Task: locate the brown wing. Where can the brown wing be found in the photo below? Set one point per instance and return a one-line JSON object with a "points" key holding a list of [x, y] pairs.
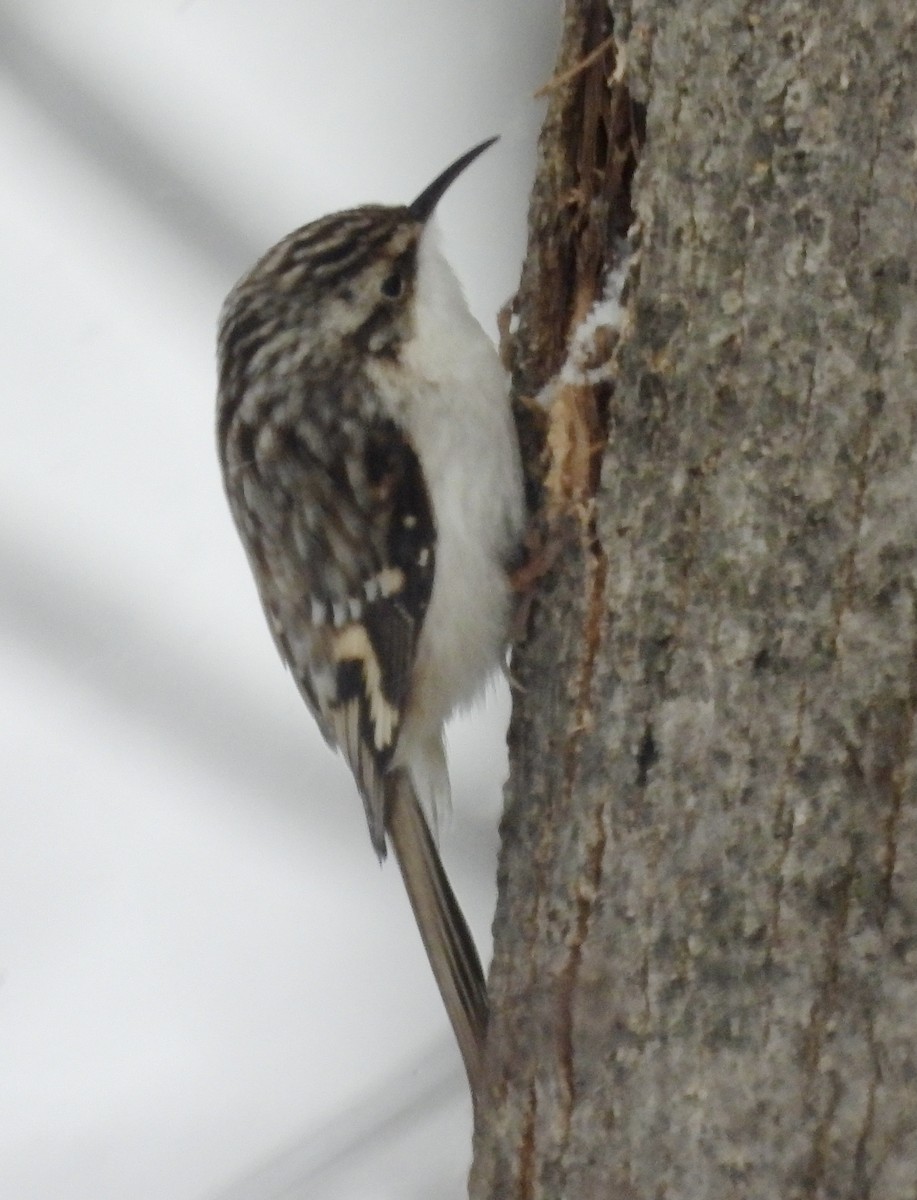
{"points": [[340, 534], [374, 655]]}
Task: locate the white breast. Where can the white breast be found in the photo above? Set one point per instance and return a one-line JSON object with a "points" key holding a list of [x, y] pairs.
{"points": [[458, 417]]}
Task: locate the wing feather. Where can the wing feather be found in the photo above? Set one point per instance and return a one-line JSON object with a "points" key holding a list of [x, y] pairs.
{"points": [[340, 533]]}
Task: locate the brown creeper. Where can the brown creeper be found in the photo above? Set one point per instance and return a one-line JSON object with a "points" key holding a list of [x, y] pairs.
{"points": [[373, 473]]}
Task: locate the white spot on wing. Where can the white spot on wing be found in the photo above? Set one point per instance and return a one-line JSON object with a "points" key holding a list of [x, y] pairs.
{"points": [[391, 581], [353, 643]]}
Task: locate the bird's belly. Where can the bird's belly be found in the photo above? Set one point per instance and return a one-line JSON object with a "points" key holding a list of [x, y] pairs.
{"points": [[463, 636]]}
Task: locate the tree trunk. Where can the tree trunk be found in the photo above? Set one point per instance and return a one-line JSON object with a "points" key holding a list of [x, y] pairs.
{"points": [[705, 973]]}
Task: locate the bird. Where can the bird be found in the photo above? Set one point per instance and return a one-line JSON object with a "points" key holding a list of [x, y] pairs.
{"points": [[372, 468]]}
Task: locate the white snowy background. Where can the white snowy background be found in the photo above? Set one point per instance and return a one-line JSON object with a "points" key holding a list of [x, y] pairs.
{"points": [[209, 990]]}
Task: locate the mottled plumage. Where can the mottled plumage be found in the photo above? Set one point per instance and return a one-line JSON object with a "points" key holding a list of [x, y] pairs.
{"points": [[372, 471]]}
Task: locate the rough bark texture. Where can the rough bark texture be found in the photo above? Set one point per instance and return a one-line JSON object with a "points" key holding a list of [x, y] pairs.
{"points": [[705, 975]]}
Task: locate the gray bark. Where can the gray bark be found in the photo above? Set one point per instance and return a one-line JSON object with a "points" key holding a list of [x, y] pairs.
{"points": [[705, 972]]}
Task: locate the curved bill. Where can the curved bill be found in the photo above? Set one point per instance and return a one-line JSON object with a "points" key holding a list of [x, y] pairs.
{"points": [[428, 199]]}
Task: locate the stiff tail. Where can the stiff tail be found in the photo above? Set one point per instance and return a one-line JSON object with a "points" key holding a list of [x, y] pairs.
{"points": [[446, 937]]}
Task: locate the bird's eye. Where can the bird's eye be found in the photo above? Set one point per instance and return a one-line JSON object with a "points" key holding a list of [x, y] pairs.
{"points": [[392, 285]]}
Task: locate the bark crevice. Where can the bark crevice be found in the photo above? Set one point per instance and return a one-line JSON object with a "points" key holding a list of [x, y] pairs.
{"points": [[705, 969]]}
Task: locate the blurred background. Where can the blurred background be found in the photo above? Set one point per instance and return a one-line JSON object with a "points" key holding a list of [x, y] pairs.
{"points": [[209, 989]]}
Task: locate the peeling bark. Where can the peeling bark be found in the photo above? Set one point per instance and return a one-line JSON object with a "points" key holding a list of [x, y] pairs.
{"points": [[705, 973]]}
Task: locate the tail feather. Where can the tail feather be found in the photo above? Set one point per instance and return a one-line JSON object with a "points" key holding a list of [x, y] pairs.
{"points": [[446, 937]]}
